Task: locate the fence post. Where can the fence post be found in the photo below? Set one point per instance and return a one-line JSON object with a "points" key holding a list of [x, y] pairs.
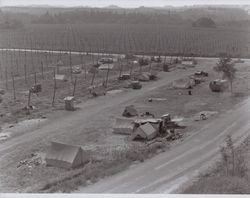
{"points": [[75, 86], [6, 78], [54, 92], [14, 88]]}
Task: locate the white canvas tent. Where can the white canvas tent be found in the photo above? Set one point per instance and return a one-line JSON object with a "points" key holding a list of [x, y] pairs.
{"points": [[144, 132], [60, 77], [183, 83], [65, 156], [123, 126], [106, 66], [60, 63]]}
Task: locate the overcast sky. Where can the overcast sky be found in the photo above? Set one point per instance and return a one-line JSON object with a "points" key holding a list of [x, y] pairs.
{"points": [[121, 3]]}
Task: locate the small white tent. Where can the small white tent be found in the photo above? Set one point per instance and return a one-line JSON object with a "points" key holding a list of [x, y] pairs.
{"points": [[183, 83], [123, 126], [65, 156], [144, 132]]}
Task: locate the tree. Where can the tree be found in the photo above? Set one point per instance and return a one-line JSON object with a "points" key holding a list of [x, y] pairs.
{"points": [[226, 67]]}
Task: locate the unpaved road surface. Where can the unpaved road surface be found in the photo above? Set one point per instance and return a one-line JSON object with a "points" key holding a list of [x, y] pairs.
{"points": [[167, 171], [70, 123]]}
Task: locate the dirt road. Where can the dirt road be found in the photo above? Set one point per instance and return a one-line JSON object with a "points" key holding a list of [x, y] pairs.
{"points": [[167, 171]]}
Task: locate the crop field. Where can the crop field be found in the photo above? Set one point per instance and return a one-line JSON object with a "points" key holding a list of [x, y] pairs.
{"points": [[121, 38]]}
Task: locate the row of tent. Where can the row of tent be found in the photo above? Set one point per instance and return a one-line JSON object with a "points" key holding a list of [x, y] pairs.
{"points": [[141, 129], [70, 156]]}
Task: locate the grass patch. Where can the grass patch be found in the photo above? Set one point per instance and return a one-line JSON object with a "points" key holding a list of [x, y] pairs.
{"points": [[95, 170]]}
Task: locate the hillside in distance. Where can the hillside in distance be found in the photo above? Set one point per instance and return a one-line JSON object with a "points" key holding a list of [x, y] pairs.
{"points": [[115, 14]]}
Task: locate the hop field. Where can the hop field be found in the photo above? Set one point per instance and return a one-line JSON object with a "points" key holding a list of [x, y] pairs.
{"points": [[123, 38]]}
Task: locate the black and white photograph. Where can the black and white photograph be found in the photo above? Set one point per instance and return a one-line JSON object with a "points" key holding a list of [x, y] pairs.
{"points": [[124, 97]]}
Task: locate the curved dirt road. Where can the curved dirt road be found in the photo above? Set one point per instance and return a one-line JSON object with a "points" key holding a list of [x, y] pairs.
{"points": [[167, 171]]}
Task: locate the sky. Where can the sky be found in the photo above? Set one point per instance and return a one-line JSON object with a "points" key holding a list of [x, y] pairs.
{"points": [[121, 3]]}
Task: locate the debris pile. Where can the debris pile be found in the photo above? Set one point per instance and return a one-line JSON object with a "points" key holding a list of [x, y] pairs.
{"points": [[204, 115], [146, 127], [96, 91], [36, 88], [130, 111], [76, 69], [34, 160]]}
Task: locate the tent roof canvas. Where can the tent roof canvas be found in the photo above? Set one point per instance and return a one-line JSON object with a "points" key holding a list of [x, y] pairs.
{"points": [[106, 66], [183, 83], [60, 77], [123, 126], [64, 155], [147, 120], [146, 131], [60, 63]]}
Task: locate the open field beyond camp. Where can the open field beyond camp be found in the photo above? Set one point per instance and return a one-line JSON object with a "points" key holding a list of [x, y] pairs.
{"points": [[25, 140], [137, 39]]}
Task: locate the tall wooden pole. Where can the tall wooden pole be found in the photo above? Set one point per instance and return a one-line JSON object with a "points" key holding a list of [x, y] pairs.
{"points": [[54, 91], [14, 88]]}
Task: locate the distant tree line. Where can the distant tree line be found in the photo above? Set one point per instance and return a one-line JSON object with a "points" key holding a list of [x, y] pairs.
{"points": [[99, 16], [10, 23], [196, 17]]}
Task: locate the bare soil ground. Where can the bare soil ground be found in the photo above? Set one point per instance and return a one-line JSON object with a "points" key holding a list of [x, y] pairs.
{"points": [[91, 127]]}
